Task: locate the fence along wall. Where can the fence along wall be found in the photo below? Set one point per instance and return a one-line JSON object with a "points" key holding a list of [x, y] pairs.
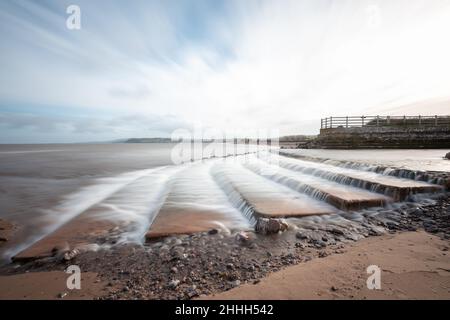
{"points": [[384, 132], [384, 121]]}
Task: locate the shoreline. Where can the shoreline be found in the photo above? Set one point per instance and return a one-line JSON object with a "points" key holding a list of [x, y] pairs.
{"points": [[202, 264], [413, 265]]}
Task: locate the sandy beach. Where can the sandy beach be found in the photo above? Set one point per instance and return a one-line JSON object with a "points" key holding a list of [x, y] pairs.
{"points": [[415, 265]]}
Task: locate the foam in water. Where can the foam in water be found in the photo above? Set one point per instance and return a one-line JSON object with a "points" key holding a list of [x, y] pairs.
{"points": [[78, 202]]}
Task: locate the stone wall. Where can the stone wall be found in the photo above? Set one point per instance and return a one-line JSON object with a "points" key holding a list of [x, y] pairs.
{"points": [[383, 137]]}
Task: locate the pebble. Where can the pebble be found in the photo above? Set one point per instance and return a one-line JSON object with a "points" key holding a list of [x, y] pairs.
{"points": [[301, 236], [174, 284], [236, 283], [62, 295]]}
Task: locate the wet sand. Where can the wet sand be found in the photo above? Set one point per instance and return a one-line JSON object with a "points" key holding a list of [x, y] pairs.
{"points": [[415, 265], [6, 230], [49, 285]]}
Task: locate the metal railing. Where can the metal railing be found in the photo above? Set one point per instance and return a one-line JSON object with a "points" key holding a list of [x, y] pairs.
{"points": [[384, 121]]}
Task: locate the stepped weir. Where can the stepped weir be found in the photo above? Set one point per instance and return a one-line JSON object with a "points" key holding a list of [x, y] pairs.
{"points": [[231, 194]]}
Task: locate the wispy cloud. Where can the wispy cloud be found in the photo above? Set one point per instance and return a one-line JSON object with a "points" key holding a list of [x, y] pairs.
{"points": [[245, 64]]}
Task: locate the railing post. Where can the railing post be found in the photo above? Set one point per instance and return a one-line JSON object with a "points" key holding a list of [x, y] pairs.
{"points": [[331, 122], [435, 120], [362, 120], [346, 121], [378, 121], [420, 120], [404, 120], [388, 120]]}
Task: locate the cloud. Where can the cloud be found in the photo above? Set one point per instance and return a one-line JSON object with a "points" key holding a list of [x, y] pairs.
{"points": [[241, 64], [79, 129]]}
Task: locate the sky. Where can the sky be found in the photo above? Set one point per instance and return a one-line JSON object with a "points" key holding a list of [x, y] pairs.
{"points": [[146, 68]]}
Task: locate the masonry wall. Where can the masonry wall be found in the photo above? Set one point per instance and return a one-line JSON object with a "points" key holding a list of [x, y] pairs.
{"points": [[383, 137]]}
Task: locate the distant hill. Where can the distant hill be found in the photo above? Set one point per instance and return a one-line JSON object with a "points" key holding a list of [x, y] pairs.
{"points": [[148, 140]]}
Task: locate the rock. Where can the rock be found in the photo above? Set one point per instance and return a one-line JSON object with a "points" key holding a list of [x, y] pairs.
{"points": [[301, 236], [177, 242], [236, 283], [253, 246], [230, 266], [192, 292], [319, 244], [62, 295], [174, 270], [333, 288], [69, 255], [242, 237], [174, 284], [447, 156], [269, 226], [164, 247], [338, 232], [213, 231]]}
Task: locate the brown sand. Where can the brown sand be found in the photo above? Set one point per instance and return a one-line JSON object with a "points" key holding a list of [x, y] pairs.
{"points": [[49, 285], [415, 265]]}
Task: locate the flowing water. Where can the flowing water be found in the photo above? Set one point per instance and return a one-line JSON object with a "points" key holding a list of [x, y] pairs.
{"points": [[133, 188]]}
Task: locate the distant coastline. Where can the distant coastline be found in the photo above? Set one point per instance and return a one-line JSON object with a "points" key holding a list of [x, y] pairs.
{"points": [[148, 140]]}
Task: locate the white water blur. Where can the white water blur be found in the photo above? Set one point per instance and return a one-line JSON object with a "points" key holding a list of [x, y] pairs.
{"points": [[76, 203], [195, 189], [357, 178], [311, 185], [406, 159]]}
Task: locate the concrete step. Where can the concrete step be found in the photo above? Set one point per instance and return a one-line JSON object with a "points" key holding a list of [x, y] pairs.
{"points": [[194, 203], [265, 198], [341, 196], [118, 216], [397, 188]]}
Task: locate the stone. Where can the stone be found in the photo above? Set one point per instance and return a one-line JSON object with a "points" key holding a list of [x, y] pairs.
{"points": [[69, 255], [230, 266], [174, 284], [269, 226], [242, 237], [337, 231], [236, 283], [447, 156], [301, 236], [177, 242], [213, 231]]}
